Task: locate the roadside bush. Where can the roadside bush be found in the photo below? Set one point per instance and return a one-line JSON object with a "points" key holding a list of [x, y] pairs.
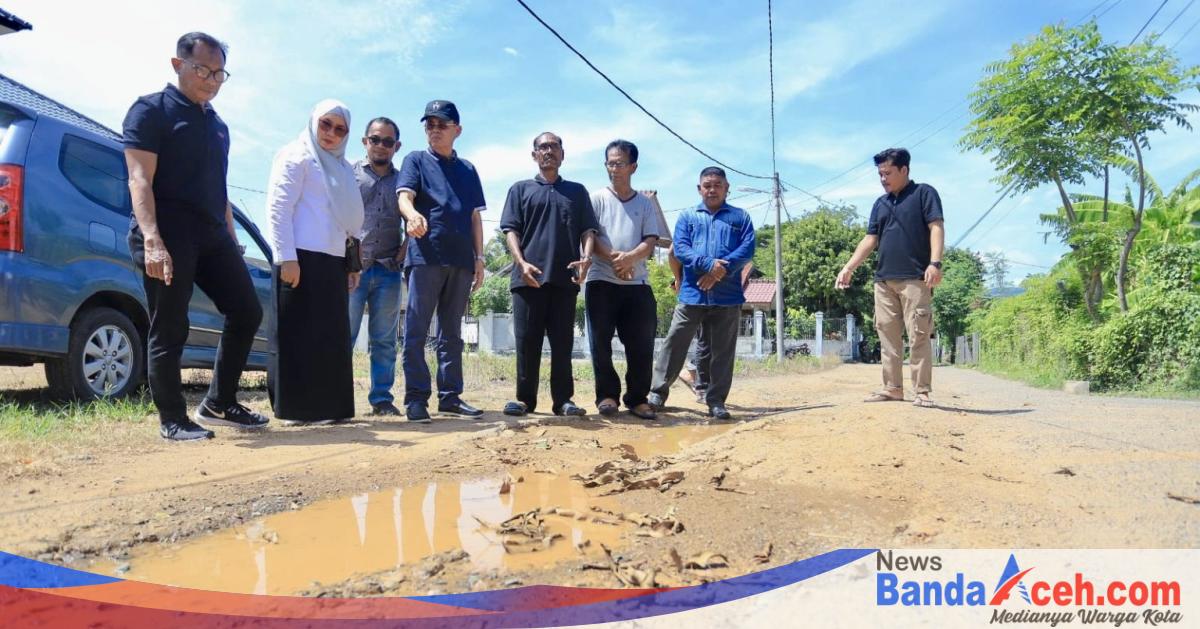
{"points": [[1154, 345], [1044, 336], [1039, 336]]}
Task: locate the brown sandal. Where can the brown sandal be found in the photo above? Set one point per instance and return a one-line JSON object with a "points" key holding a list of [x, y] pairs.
{"points": [[880, 396]]}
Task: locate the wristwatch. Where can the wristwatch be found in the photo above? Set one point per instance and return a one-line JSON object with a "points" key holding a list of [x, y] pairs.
{"points": [[937, 264], [481, 258]]}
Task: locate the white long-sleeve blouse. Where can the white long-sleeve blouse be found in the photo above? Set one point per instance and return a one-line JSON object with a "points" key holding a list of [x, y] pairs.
{"points": [[298, 215]]}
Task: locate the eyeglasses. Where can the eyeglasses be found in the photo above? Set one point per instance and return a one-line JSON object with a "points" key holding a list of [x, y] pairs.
{"points": [[547, 146], [386, 142], [616, 165], [338, 130], [220, 76], [430, 126]]}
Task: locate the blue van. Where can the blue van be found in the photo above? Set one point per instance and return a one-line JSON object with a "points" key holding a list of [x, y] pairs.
{"points": [[70, 297]]}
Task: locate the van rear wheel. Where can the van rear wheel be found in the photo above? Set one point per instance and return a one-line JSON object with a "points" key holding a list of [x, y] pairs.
{"points": [[105, 358]]}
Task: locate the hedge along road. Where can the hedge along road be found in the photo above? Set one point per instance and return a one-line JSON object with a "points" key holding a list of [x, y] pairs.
{"points": [[809, 468]]}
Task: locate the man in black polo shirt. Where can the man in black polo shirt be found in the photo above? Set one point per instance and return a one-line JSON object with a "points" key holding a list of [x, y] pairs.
{"points": [[906, 224], [546, 220], [182, 235]]}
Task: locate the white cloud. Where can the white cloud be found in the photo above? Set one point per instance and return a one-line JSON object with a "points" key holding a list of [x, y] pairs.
{"points": [[511, 51]]}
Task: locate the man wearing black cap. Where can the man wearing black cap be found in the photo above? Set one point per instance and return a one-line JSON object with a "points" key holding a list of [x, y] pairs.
{"points": [[440, 197]]}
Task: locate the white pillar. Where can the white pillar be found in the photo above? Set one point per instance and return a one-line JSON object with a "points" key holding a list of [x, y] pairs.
{"points": [[758, 333], [850, 334], [820, 340]]}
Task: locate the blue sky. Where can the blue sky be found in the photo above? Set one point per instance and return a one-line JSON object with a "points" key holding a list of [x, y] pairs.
{"points": [[850, 78]]}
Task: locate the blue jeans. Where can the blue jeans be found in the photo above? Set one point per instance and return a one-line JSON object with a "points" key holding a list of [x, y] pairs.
{"points": [[378, 292], [444, 289]]}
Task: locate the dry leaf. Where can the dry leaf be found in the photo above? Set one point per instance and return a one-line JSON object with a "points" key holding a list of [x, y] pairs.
{"points": [[706, 560], [764, 555], [627, 452], [676, 559]]}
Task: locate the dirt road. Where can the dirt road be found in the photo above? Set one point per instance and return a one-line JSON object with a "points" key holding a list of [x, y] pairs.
{"points": [[386, 507]]}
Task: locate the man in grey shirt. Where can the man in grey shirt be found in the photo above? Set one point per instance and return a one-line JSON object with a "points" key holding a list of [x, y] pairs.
{"points": [[379, 288], [617, 294]]}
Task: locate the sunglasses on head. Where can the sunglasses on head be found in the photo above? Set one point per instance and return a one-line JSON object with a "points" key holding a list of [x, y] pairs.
{"points": [[338, 130], [386, 142]]}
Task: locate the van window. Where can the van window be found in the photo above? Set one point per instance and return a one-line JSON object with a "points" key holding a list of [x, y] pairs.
{"points": [[97, 172], [6, 118]]}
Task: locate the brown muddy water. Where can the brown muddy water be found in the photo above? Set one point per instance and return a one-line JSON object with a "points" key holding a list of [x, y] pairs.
{"points": [[334, 539]]}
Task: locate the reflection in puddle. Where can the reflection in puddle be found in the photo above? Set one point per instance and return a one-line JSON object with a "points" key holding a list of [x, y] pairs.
{"points": [[331, 540], [668, 440]]}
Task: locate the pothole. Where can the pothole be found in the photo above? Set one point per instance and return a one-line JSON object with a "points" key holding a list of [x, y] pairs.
{"points": [[335, 539]]}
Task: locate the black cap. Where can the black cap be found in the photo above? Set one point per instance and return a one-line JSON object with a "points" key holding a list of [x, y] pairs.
{"points": [[443, 109]]}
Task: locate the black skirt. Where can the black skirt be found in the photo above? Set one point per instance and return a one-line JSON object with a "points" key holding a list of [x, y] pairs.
{"points": [[311, 360]]}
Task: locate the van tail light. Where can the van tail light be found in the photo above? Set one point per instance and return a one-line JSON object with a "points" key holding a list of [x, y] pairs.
{"points": [[12, 187]]}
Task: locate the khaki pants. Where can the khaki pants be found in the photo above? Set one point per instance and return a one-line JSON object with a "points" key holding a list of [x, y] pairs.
{"points": [[901, 304]]}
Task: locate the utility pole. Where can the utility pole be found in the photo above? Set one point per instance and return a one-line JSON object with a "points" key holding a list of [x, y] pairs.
{"points": [[778, 270]]}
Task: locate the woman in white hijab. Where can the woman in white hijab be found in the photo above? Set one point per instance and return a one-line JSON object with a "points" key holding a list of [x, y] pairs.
{"points": [[313, 205]]}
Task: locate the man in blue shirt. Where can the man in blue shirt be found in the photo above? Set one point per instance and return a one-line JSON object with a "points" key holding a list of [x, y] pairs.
{"points": [[440, 197], [906, 224], [713, 242]]}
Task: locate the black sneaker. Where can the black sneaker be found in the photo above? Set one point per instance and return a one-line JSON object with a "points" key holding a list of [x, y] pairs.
{"points": [[719, 411], [459, 407], [417, 413], [234, 416], [385, 409], [183, 430], [656, 402]]}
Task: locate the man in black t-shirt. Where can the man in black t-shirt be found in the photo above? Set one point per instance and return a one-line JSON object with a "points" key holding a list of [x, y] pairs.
{"points": [[182, 235], [550, 228], [906, 224]]}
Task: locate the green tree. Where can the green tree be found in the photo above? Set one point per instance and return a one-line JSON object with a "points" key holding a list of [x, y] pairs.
{"points": [[664, 295], [1031, 114], [1097, 235], [493, 296], [997, 268], [815, 247], [495, 253], [1065, 103], [960, 293]]}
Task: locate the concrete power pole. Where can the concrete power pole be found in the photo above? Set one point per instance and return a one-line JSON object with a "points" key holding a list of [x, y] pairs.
{"points": [[778, 270]]}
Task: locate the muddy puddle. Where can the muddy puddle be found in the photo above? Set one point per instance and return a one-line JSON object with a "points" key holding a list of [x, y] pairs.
{"points": [[331, 540]]}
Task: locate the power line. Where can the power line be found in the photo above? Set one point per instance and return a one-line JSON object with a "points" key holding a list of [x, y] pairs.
{"points": [[998, 222], [1185, 34], [1003, 193], [1152, 16], [900, 142], [632, 99], [1176, 18], [1102, 13], [1036, 266], [246, 189]]}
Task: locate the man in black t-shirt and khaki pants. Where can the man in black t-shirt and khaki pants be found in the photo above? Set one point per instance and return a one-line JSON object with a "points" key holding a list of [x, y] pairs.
{"points": [[906, 224]]}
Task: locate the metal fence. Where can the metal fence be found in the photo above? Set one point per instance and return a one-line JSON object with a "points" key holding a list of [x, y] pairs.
{"points": [[966, 349]]}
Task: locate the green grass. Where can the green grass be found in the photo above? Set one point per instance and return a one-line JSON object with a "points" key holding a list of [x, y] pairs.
{"points": [[63, 421], [1048, 377]]}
